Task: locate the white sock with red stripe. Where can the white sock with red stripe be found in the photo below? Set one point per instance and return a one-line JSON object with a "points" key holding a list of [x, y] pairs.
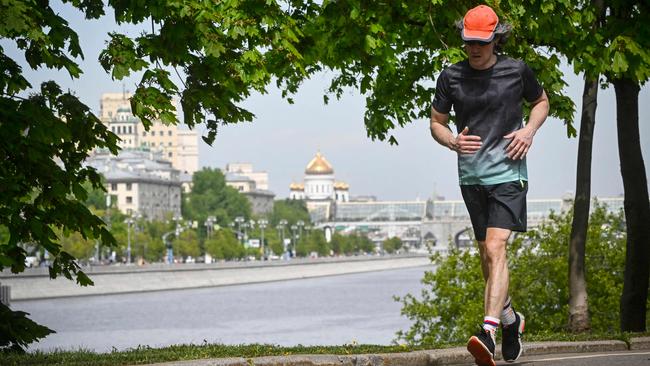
{"points": [[490, 324], [508, 313]]}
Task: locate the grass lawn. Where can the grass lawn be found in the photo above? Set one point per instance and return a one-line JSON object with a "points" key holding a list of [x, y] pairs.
{"points": [[147, 355]]}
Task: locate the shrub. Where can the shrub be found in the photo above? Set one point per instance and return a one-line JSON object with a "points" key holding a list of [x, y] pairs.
{"points": [[450, 307]]}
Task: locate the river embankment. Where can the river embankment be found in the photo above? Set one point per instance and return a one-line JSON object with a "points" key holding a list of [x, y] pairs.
{"points": [[35, 283]]}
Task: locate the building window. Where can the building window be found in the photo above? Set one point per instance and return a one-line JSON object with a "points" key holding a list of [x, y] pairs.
{"points": [[130, 129], [144, 133], [161, 132], [129, 199], [113, 129], [113, 186], [128, 186], [170, 155], [169, 133]]}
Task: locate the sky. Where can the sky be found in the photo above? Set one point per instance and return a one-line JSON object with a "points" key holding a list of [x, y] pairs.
{"points": [[283, 138]]}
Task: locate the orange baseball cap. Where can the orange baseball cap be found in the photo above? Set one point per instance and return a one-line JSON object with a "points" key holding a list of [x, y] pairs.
{"points": [[479, 24]]}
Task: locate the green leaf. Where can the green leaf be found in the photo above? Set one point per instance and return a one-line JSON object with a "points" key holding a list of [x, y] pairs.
{"points": [[371, 43], [619, 63], [354, 13], [84, 280]]}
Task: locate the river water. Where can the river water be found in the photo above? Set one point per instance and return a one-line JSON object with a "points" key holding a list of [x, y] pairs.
{"points": [[318, 311]]}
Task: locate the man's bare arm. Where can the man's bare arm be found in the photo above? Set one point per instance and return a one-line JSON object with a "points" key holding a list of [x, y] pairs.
{"points": [[463, 143], [522, 139]]}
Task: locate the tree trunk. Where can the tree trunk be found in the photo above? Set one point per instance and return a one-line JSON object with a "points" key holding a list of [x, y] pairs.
{"points": [[637, 207], [578, 304]]}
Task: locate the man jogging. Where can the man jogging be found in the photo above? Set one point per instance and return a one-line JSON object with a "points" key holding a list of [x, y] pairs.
{"points": [[486, 92]]}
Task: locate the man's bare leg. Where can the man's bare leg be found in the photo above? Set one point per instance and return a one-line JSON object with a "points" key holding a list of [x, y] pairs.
{"points": [[494, 263], [484, 266], [495, 272]]}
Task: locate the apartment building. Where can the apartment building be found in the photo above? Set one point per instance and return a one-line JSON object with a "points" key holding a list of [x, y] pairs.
{"points": [[141, 182], [178, 146]]}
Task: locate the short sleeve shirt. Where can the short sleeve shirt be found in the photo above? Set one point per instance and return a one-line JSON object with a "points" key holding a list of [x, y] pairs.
{"points": [[489, 103]]}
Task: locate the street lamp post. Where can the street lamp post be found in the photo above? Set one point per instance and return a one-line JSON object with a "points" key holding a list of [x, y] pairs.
{"points": [[248, 225], [300, 224], [281, 226], [239, 220], [245, 235], [128, 222], [177, 231], [136, 216], [294, 228], [262, 225], [100, 252], [209, 225]]}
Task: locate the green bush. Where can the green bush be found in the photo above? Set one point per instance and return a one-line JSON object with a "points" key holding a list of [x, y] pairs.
{"points": [[392, 245], [224, 245], [450, 306]]}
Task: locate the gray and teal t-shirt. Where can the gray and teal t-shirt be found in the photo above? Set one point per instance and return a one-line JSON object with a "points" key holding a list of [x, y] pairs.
{"points": [[489, 103]]}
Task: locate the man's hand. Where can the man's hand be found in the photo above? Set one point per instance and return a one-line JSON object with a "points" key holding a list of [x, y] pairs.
{"points": [[522, 139], [466, 144]]}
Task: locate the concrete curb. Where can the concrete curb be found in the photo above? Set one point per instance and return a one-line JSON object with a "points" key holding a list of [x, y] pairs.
{"points": [[640, 343], [449, 356]]}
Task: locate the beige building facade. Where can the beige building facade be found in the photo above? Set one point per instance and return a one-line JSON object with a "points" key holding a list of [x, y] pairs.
{"points": [[244, 179], [180, 147], [246, 170]]}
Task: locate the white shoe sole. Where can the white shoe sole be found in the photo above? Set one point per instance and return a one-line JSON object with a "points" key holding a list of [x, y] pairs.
{"points": [[482, 355]]}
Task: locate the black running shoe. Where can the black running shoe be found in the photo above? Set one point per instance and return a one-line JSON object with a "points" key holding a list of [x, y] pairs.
{"points": [[481, 346], [511, 346]]}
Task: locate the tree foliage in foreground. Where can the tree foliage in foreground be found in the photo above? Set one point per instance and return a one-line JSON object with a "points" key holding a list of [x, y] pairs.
{"points": [[46, 135], [450, 306]]}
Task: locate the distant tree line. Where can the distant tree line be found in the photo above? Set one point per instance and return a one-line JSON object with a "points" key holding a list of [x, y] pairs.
{"points": [[221, 239]]}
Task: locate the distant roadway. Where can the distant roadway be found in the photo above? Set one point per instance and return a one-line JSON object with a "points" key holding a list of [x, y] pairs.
{"points": [[36, 284]]}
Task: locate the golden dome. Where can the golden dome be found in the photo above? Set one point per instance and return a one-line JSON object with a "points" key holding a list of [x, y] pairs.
{"points": [[342, 186], [318, 165], [296, 186]]}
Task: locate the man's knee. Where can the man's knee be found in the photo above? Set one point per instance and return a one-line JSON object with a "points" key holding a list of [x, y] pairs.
{"points": [[495, 244]]}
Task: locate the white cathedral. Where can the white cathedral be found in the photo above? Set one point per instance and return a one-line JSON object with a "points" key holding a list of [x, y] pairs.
{"points": [[320, 189]]}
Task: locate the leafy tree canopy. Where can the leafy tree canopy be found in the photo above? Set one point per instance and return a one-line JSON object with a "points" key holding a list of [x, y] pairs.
{"points": [[96, 196], [210, 196], [290, 210]]}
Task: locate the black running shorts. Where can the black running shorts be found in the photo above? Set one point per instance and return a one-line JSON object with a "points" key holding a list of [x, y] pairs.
{"points": [[500, 205]]}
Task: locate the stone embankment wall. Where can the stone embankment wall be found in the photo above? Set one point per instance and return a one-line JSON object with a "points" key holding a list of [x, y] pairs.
{"points": [[36, 284]]}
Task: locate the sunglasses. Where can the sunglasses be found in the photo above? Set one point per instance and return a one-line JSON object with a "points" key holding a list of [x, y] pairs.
{"points": [[477, 43]]}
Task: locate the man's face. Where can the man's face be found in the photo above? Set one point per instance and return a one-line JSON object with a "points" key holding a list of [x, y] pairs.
{"points": [[480, 54]]}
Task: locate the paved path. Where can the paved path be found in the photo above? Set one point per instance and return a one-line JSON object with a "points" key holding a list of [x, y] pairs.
{"points": [[600, 353], [625, 358]]}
